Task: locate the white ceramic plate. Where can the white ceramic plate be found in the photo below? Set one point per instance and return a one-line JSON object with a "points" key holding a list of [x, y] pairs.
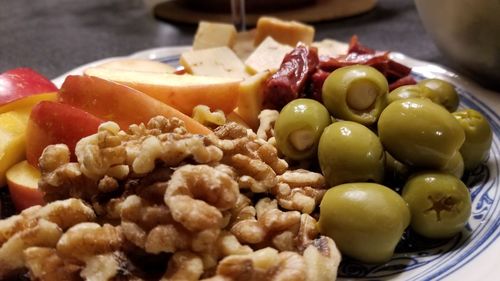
{"points": [[473, 255]]}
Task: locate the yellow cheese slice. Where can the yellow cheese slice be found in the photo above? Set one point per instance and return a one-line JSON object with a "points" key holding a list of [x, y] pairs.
{"points": [[211, 34]]}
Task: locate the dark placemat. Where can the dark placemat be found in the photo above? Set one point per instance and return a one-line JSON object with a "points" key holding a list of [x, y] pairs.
{"points": [[7, 208], [320, 10]]}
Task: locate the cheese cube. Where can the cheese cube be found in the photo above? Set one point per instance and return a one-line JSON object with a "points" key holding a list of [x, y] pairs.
{"points": [[331, 48], [251, 97], [285, 32], [243, 46], [268, 56], [219, 62], [211, 34]]}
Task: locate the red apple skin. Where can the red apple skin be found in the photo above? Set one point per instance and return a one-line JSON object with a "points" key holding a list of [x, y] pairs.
{"points": [[21, 82], [53, 123], [119, 103], [22, 180]]}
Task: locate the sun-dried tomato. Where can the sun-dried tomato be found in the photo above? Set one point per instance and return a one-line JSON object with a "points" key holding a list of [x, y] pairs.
{"points": [[359, 54], [302, 73], [291, 78], [407, 80], [377, 60], [317, 81], [356, 47]]}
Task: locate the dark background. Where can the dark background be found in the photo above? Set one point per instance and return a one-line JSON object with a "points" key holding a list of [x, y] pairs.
{"points": [[54, 36]]}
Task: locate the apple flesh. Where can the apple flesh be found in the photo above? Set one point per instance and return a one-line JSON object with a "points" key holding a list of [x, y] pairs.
{"points": [[22, 180], [53, 123], [182, 92], [138, 65], [28, 101], [18, 83], [116, 102], [12, 139]]}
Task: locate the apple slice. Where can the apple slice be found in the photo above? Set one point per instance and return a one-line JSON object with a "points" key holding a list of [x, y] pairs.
{"points": [[52, 123], [183, 92], [138, 65], [22, 180], [28, 101], [116, 102], [12, 139], [19, 83]]}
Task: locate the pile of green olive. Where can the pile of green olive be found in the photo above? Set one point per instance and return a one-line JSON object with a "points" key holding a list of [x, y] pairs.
{"points": [[393, 160]]}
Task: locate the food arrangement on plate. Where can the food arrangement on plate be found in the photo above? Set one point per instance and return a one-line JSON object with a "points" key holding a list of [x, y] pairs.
{"points": [[264, 155]]}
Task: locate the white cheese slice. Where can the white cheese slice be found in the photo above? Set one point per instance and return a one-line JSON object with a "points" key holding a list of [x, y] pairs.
{"points": [[217, 62], [243, 46], [331, 48], [268, 56]]}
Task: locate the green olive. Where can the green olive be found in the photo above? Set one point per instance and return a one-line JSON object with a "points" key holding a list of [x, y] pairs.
{"points": [[441, 92], [299, 127], [438, 91], [350, 152], [439, 203], [478, 137], [420, 133], [366, 220], [408, 92], [355, 93], [454, 166]]}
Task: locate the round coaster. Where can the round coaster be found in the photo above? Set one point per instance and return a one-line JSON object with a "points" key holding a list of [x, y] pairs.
{"points": [[320, 10]]}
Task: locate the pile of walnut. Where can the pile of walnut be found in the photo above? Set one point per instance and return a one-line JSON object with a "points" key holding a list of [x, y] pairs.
{"points": [[156, 202]]}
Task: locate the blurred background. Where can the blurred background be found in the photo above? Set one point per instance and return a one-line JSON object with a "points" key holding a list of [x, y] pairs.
{"points": [[54, 36]]}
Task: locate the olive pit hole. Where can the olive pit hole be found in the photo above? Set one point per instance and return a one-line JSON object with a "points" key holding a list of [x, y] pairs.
{"points": [[442, 203], [361, 95], [301, 139]]}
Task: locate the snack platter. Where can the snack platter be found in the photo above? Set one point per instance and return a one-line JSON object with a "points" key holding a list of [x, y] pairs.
{"points": [[471, 254], [230, 202]]}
